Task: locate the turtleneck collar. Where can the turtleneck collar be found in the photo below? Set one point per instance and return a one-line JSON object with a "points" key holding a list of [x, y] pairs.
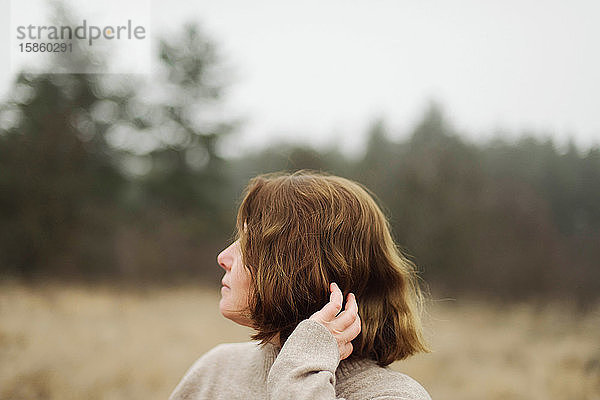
{"points": [[270, 352], [352, 366]]}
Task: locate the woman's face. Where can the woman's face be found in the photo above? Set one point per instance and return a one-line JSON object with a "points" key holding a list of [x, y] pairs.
{"points": [[236, 285]]}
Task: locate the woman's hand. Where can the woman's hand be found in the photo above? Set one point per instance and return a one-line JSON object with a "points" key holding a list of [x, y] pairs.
{"points": [[345, 326]]}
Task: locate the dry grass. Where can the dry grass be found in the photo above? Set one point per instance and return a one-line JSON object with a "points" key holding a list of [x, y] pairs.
{"points": [[73, 342]]}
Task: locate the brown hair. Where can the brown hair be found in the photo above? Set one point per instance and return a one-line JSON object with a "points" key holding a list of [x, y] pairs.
{"points": [[301, 231]]}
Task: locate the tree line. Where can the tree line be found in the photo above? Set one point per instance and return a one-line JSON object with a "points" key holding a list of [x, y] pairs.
{"points": [[101, 181]]}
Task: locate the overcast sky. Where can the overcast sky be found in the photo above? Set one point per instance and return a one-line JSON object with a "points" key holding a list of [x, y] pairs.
{"points": [[322, 70]]}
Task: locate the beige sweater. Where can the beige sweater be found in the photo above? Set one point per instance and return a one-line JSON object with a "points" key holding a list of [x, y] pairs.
{"points": [[306, 367]]}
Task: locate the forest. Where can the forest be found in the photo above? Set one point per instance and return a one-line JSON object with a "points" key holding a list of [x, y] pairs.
{"points": [[124, 178]]}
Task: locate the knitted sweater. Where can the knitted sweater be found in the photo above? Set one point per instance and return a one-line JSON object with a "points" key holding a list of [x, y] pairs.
{"points": [[306, 367]]}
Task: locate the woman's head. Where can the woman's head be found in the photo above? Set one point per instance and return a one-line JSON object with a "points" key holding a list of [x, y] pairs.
{"points": [[300, 232]]}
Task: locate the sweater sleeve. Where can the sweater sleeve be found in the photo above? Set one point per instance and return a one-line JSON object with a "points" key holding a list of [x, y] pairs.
{"points": [[305, 366]]}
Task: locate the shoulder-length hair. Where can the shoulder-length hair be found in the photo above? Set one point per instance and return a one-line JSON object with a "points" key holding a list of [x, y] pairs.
{"points": [[299, 232]]}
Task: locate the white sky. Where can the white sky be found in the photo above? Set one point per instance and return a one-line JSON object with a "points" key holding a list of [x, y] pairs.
{"points": [[321, 71]]}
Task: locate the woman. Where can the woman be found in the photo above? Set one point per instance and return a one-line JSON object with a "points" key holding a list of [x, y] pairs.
{"points": [[305, 242]]}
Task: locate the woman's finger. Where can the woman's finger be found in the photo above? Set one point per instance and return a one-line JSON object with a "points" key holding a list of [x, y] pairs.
{"points": [[346, 350], [331, 309], [336, 295], [347, 317], [352, 331], [345, 320], [351, 304]]}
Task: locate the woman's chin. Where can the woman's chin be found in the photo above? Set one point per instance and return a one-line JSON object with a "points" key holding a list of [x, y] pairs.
{"points": [[224, 309], [227, 312], [234, 316]]}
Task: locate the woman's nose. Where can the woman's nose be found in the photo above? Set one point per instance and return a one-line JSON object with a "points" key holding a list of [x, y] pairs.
{"points": [[224, 259]]}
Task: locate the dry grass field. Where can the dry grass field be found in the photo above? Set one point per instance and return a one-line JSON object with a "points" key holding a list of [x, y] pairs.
{"points": [[76, 342]]}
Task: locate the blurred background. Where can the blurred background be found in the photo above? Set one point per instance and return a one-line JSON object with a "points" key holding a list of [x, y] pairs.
{"points": [[475, 124]]}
